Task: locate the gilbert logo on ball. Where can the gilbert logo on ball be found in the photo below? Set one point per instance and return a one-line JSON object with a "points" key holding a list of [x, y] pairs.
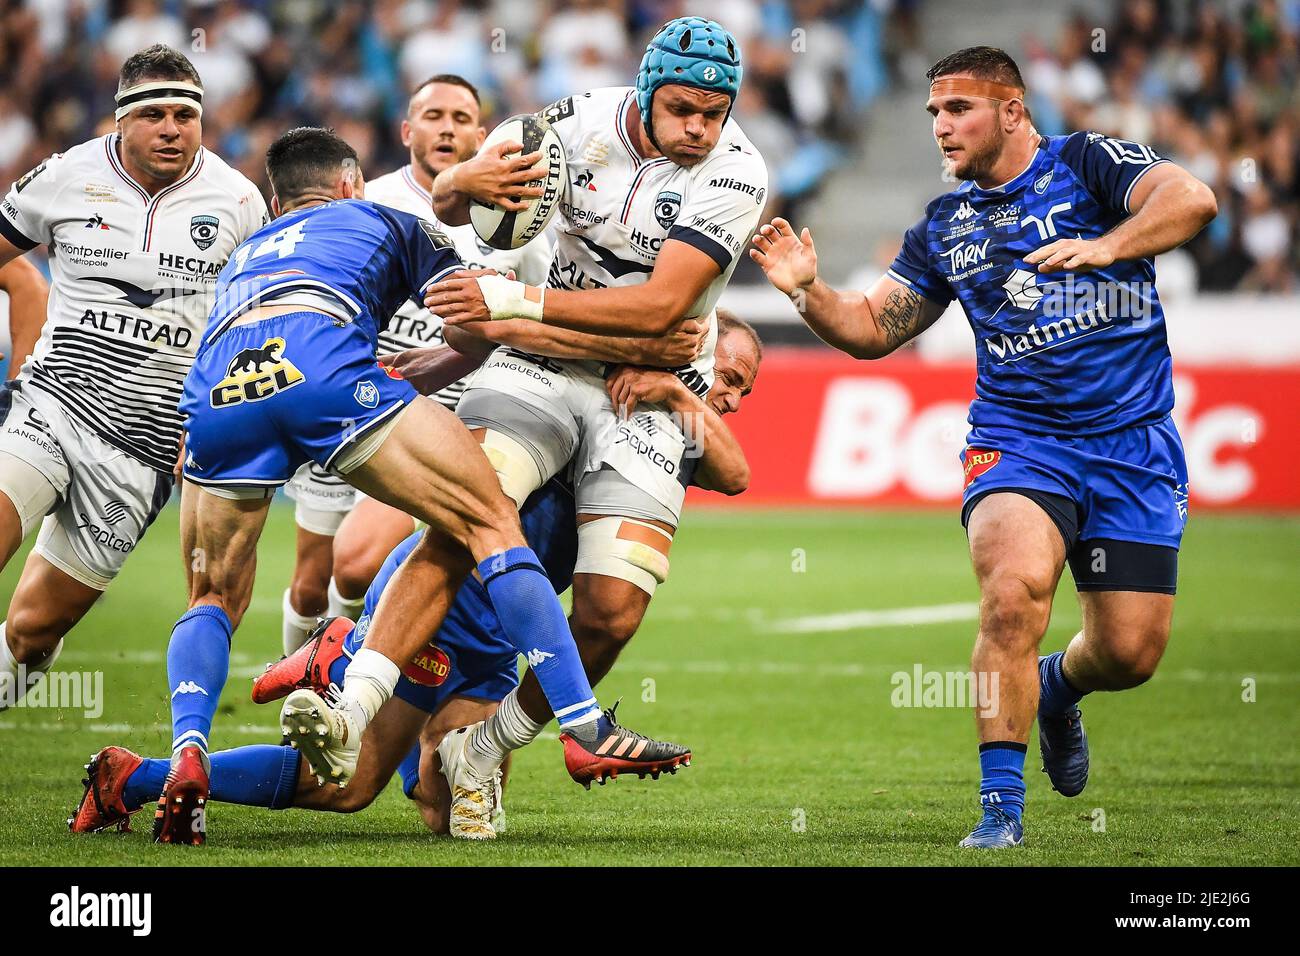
{"points": [[511, 230]]}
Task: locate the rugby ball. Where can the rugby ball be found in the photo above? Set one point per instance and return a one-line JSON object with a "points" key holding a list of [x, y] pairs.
{"points": [[511, 230]]}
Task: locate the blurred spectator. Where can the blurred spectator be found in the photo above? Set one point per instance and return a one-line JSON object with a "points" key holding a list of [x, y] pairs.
{"points": [[1216, 88]]}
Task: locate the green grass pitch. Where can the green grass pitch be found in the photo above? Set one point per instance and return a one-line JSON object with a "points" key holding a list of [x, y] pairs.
{"points": [[800, 756]]}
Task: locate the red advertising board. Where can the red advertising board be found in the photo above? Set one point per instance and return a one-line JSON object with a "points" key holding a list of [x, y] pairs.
{"points": [[821, 428]]}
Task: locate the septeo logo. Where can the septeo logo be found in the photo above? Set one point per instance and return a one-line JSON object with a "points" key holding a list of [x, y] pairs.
{"points": [[77, 909]]}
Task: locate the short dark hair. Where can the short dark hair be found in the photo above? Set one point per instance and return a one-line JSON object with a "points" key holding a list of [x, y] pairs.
{"points": [[158, 62], [983, 62], [306, 158], [451, 79], [730, 322]]}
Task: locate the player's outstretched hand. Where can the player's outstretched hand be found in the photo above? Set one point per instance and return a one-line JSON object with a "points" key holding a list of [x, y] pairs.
{"points": [[458, 299], [789, 261], [492, 178], [629, 385], [1071, 255]]}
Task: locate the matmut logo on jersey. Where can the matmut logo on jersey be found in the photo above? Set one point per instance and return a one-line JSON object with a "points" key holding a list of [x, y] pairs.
{"points": [[1024, 292], [256, 374]]}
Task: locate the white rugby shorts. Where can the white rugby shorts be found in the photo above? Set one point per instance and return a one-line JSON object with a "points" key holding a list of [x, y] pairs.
{"points": [[95, 500], [562, 413]]}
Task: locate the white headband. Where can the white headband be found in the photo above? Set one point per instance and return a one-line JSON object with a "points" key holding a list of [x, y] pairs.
{"points": [[161, 92]]}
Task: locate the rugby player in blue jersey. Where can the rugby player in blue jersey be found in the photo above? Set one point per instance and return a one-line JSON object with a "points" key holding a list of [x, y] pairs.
{"points": [[286, 374], [1072, 456], [458, 678]]}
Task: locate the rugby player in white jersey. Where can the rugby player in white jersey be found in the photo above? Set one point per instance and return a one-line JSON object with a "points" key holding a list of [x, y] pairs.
{"points": [[443, 127], [139, 222], [664, 190]]}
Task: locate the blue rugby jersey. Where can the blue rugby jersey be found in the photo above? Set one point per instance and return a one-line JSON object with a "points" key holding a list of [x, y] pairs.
{"points": [[1057, 353], [366, 257]]}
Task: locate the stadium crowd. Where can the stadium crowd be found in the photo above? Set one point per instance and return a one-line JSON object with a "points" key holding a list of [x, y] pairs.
{"points": [[1213, 86], [268, 66]]}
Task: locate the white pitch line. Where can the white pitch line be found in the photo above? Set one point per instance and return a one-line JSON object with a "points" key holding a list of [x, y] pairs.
{"points": [[892, 617], [100, 728]]}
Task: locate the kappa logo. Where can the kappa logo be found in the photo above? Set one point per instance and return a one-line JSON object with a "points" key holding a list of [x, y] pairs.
{"points": [[256, 374], [964, 212], [976, 462], [188, 687], [667, 205], [536, 656], [367, 394], [203, 230]]}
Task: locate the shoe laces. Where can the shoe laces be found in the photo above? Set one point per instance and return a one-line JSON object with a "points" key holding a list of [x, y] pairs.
{"points": [[333, 695], [994, 818], [616, 728]]}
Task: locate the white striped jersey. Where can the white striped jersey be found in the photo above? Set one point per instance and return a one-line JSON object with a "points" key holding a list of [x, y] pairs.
{"points": [[618, 207], [414, 326], [132, 283]]}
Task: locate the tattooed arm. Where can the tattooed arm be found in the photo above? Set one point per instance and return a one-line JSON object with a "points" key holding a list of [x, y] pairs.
{"points": [[865, 325]]}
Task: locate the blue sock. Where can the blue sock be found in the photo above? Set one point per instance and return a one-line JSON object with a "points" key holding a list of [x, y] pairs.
{"points": [[534, 623], [259, 776], [263, 775], [1002, 776], [338, 670], [145, 783], [198, 659], [409, 769], [1055, 695]]}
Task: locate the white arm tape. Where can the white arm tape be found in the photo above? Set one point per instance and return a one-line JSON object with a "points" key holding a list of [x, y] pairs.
{"points": [[508, 298]]}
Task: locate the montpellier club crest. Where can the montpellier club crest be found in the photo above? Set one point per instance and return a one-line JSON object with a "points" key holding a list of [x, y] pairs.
{"points": [[203, 230]]}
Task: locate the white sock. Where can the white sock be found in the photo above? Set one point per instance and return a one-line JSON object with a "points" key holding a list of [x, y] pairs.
{"points": [[370, 680], [295, 627], [509, 728], [8, 673], [12, 690], [344, 607]]}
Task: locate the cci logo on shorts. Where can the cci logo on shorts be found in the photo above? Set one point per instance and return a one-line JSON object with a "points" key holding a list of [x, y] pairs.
{"points": [[430, 667], [256, 374]]}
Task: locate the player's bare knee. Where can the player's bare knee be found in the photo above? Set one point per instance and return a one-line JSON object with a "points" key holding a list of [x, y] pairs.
{"points": [[600, 623], [1133, 661], [308, 595], [354, 569], [1012, 611], [33, 633]]}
